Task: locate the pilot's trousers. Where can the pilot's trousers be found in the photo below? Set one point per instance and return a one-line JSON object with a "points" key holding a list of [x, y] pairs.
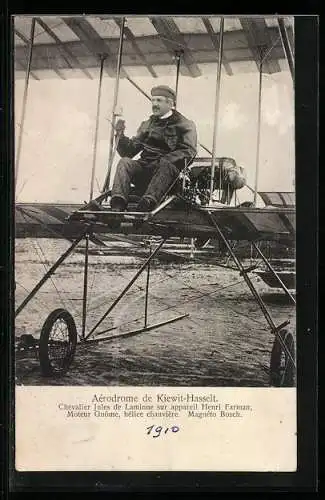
{"points": [[151, 180]]}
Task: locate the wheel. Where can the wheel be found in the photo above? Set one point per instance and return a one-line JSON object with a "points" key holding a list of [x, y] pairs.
{"points": [[58, 343], [282, 365]]}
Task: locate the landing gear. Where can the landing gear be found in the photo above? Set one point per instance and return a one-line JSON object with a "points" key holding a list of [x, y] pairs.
{"points": [[58, 343], [282, 364]]}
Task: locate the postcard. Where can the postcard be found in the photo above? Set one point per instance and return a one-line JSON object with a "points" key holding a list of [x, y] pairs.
{"points": [[155, 225]]}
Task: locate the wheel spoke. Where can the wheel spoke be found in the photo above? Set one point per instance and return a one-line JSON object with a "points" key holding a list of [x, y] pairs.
{"points": [[57, 343]]}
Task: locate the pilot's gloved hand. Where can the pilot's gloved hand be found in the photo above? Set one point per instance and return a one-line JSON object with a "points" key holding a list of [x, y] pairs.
{"points": [[120, 127]]}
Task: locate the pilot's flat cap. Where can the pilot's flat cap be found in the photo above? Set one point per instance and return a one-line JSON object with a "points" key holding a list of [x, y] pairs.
{"points": [[163, 90]]}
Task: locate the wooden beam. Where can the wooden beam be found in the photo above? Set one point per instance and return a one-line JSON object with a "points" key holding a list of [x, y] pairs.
{"points": [[215, 42], [56, 70], [53, 68], [94, 43], [24, 39], [251, 40], [264, 36], [258, 43], [291, 38], [173, 40], [65, 52], [21, 36], [132, 39], [59, 73], [287, 48], [236, 49], [23, 67]]}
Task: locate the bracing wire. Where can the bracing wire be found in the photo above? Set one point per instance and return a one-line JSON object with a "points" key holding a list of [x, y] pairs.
{"points": [[24, 105], [137, 288], [46, 306], [193, 299], [41, 256], [91, 287], [42, 30], [187, 301], [198, 260], [190, 299], [119, 274]]}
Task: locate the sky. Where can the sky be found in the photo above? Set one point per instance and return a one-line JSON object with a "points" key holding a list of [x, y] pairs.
{"points": [[59, 128]]}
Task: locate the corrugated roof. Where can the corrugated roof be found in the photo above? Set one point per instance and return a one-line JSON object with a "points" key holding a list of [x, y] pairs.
{"points": [[150, 43]]}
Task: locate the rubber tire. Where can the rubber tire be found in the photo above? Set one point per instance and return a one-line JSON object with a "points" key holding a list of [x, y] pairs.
{"points": [[47, 370], [275, 362]]}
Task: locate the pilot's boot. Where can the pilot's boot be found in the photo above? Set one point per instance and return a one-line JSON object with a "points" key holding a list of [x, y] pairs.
{"points": [[146, 205], [118, 204]]}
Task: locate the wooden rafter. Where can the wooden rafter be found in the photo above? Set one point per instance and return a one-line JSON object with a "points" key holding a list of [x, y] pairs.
{"points": [[258, 43], [67, 55], [20, 64], [27, 42], [287, 43], [233, 50], [251, 40], [263, 36], [21, 36], [56, 70], [291, 38], [94, 43], [215, 41], [132, 39], [174, 40]]}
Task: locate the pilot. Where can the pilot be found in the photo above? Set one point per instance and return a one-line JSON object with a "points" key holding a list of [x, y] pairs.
{"points": [[166, 141]]}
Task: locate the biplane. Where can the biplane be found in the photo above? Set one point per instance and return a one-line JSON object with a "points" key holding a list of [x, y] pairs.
{"points": [[201, 205]]}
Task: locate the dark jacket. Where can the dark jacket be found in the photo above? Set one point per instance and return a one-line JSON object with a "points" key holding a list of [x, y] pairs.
{"points": [[172, 139]]}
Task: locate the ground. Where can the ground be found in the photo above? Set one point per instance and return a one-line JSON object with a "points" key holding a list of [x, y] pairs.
{"points": [[224, 340]]}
